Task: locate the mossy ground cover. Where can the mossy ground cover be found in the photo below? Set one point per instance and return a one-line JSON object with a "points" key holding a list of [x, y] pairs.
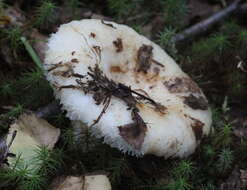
{"points": [[216, 60]]}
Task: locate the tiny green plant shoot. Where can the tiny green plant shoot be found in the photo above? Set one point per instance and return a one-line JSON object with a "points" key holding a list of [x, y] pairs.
{"points": [[12, 36], [225, 160], [123, 8], [32, 175], [214, 45], [44, 13], [165, 40], [175, 12]]}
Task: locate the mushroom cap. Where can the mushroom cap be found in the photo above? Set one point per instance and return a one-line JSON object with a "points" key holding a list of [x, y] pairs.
{"points": [[170, 113]]}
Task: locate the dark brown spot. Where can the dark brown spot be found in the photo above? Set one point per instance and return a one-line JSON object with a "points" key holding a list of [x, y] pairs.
{"points": [[74, 60], [118, 44], [197, 103], [134, 133], [116, 69], [182, 85], [144, 58], [160, 108], [92, 35], [197, 127], [73, 52]]}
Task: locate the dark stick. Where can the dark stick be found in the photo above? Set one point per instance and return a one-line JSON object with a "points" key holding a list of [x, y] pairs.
{"points": [[206, 24], [107, 103]]}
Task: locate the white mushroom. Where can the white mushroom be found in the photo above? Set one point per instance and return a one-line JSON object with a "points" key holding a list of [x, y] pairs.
{"points": [[126, 88]]}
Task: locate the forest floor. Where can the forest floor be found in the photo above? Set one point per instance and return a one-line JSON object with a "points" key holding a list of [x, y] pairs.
{"points": [[213, 53]]}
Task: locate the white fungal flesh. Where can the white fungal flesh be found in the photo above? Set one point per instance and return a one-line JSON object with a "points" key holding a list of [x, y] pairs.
{"points": [[114, 48]]}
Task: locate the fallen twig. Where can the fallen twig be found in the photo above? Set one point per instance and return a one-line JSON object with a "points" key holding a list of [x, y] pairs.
{"points": [[206, 24]]}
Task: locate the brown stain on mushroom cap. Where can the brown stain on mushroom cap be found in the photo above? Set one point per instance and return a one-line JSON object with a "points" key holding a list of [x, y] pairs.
{"points": [[116, 69], [181, 85], [93, 35], [144, 58], [118, 44], [152, 76], [134, 133], [74, 60], [197, 127], [196, 102]]}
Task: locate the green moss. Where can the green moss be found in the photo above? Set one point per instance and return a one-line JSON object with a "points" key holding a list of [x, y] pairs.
{"points": [[116, 168], [44, 13], [225, 160], [230, 28], [208, 48], [223, 136], [73, 3], [6, 90], [165, 40], [178, 184], [23, 176], [175, 12], [12, 37], [123, 8], [13, 113], [184, 169]]}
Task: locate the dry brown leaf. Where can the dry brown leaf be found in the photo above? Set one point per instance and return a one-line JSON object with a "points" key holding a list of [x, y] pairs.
{"points": [[31, 132]]}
